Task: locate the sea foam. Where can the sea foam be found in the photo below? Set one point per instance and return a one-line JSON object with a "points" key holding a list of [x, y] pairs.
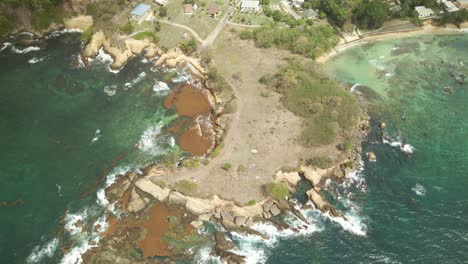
{"points": [[35, 60], [419, 190], [40, 252], [405, 148]]}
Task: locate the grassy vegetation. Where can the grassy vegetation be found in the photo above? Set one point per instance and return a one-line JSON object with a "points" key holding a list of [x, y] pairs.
{"points": [[307, 41], [320, 162], [217, 150], [328, 109], [251, 202], [147, 35], [191, 163], [182, 238], [277, 190], [186, 187], [189, 46], [227, 166], [87, 34], [43, 18]]}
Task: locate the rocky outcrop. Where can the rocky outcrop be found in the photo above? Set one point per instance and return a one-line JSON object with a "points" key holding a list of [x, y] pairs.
{"points": [[315, 175], [223, 247], [175, 56], [158, 193], [320, 203], [79, 22], [136, 203], [290, 178], [371, 156], [120, 57], [270, 208]]}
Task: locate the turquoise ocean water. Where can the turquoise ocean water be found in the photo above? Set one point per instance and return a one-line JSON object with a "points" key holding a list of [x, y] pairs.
{"points": [[411, 205], [61, 133]]}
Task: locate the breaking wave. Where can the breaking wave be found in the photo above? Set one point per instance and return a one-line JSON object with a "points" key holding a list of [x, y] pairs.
{"points": [[419, 190], [35, 60], [46, 251], [161, 88], [141, 76], [25, 50], [153, 143], [405, 148]]}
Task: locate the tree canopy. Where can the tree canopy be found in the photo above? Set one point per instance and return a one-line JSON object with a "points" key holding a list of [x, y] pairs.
{"points": [[370, 14]]}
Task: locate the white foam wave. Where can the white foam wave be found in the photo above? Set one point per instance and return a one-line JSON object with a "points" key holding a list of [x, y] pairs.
{"points": [[35, 60], [110, 90], [419, 189], [204, 256], [138, 79], [57, 33], [405, 148], [351, 223], [40, 252], [152, 142], [182, 77], [161, 88], [25, 50], [5, 45]]}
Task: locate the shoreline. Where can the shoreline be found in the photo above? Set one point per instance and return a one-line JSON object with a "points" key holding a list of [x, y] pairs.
{"points": [[425, 30]]}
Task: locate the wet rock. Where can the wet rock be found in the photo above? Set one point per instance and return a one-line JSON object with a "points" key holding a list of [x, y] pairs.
{"points": [[448, 90], [371, 156], [222, 244], [197, 224], [320, 203]]}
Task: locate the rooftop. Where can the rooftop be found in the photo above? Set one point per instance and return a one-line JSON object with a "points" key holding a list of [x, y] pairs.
{"points": [[214, 9], [140, 10], [422, 10], [250, 4], [310, 13]]}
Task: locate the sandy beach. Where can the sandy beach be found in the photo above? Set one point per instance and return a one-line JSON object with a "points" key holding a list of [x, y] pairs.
{"points": [[427, 29]]}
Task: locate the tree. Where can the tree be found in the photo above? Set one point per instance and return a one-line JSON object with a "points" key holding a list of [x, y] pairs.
{"points": [[371, 14], [157, 26], [163, 11], [189, 46], [277, 15], [265, 2], [246, 34]]}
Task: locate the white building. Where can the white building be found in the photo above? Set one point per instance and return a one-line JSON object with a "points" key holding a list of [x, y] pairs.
{"points": [[250, 6], [160, 2], [297, 3], [424, 12], [451, 7]]}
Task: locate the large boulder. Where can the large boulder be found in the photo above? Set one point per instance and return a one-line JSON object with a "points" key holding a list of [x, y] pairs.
{"points": [[198, 206], [320, 203], [274, 210], [314, 175], [136, 203], [92, 48], [267, 205], [227, 216], [160, 194]]}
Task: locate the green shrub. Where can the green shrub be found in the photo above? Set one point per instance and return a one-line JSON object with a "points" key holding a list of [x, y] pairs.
{"points": [[326, 107], [186, 187], [251, 202], [87, 34], [189, 46], [42, 19], [217, 150], [147, 35], [227, 166], [191, 163], [4, 25], [127, 28], [277, 190], [163, 11]]}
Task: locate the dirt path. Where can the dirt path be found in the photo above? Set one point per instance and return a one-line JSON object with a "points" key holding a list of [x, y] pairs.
{"points": [[193, 32], [262, 134], [289, 10]]}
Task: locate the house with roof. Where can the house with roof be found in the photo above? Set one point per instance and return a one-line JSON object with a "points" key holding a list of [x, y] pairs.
{"points": [[297, 3], [310, 14], [449, 6], [188, 9], [141, 13], [214, 10], [248, 6], [424, 12]]}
